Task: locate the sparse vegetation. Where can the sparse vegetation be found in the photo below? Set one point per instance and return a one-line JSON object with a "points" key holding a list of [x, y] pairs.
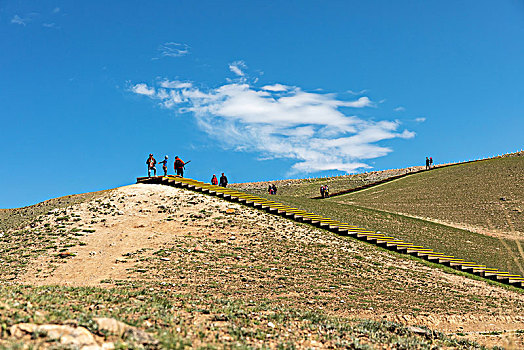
{"points": [[179, 266], [417, 208]]}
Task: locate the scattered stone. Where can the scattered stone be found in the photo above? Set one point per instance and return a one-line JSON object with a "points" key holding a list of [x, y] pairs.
{"points": [[232, 237], [66, 254], [503, 198], [230, 211], [165, 259], [417, 330], [77, 337], [127, 332], [111, 325], [271, 324], [139, 336]]}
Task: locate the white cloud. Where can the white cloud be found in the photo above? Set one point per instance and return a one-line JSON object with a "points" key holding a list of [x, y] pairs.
{"points": [[277, 121], [50, 25], [236, 67], [171, 49], [143, 89], [357, 92], [276, 88], [56, 10], [19, 20], [420, 120], [399, 109], [175, 84], [360, 103]]}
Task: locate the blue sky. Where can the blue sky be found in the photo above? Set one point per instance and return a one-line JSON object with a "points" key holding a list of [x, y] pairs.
{"points": [[259, 90]]}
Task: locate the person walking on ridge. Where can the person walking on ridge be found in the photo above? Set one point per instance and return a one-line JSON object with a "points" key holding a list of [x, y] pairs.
{"points": [[164, 165], [223, 180], [430, 162], [214, 180], [427, 163], [151, 162], [179, 166]]}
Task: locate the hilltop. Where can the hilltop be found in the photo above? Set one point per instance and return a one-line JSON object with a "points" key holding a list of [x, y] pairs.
{"points": [[194, 270]]}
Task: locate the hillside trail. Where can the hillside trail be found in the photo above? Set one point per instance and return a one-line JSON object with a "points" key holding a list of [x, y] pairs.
{"points": [[140, 219]]}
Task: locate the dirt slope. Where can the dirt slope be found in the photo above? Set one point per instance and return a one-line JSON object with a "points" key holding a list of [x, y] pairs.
{"points": [[191, 244]]}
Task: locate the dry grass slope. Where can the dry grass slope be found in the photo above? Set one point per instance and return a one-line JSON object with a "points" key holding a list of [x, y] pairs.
{"points": [[472, 211], [175, 264]]}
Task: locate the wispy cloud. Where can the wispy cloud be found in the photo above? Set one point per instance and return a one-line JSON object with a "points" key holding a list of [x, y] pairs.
{"points": [[399, 109], [143, 89], [171, 49], [357, 92], [175, 84], [19, 20], [278, 121], [50, 25], [420, 120], [237, 67], [35, 18]]}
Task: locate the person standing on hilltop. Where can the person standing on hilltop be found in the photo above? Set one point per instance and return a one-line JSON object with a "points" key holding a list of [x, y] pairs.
{"points": [[151, 162], [223, 180], [214, 180], [427, 163], [430, 162], [164, 165], [179, 166]]}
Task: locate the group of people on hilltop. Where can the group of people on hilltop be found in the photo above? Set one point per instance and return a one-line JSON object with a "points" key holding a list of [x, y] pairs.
{"points": [[179, 165], [272, 189], [429, 163], [223, 180], [324, 191]]}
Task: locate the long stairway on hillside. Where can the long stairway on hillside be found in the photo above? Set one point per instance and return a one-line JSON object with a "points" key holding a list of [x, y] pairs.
{"points": [[337, 227]]}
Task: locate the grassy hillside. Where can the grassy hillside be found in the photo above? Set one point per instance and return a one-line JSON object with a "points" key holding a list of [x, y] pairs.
{"points": [[307, 188], [179, 266], [434, 208], [19, 217], [487, 194]]}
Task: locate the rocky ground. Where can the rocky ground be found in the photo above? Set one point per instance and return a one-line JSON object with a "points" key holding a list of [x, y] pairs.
{"points": [[310, 187], [194, 270]]}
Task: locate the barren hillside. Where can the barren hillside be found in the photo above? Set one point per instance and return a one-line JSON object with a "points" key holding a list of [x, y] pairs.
{"points": [[195, 270]]}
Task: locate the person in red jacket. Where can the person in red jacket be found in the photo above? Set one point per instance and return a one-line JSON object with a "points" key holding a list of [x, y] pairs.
{"points": [[179, 166], [214, 180]]}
